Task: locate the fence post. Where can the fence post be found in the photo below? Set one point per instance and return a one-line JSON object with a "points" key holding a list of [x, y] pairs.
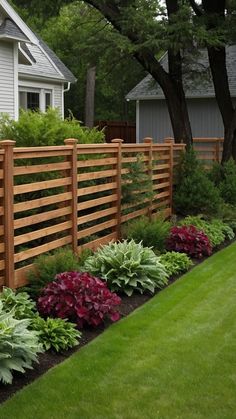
{"points": [[149, 140], [119, 142], [171, 142], [8, 218], [74, 191]]}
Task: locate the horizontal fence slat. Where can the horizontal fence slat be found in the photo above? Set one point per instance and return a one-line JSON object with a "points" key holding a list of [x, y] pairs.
{"points": [[41, 154], [43, 216], [96, 202], [134, 214], [95, 229], [40, 186], [41, 168], [46, 231], [97, 162], [28, 254], [96, 175], [93, 245], [96, 215], [21, 275], [97, 188], [42, 202]]}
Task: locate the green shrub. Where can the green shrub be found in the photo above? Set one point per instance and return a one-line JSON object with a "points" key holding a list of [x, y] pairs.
{"points": [[175, 262], [23, 306], [127, 266], [195, 193], [152, 233], [224, 177], [45, 129], [18, 345], [228, 215], [47, 266], [216, 230], [56, 334]]}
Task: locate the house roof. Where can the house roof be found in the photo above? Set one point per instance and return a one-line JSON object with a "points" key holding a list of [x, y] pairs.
{"points": [[197, 79], [10, 30], [43, 61]]}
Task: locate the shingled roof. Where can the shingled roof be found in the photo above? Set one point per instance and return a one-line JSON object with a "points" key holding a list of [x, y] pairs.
{"points": [[9, 29], [196, 84]]}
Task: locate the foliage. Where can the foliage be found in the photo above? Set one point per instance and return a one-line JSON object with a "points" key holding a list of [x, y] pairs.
{"points": [[152, 233], [79, 297], [56, 334], [24, 307], [127, 266], [189, 240], [195, 192], [136, 184], [45, 129], [175, 262], [47, 266], [228, 215], [18, 345], [224, 177]]}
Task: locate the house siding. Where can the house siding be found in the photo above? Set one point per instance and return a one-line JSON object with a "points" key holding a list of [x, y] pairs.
{"points": [[154, 120], [58, 98], [7, 78]]}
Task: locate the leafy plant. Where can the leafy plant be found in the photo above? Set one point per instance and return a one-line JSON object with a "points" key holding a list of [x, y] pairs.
{"points": [[195, 192], [127, 266], [47, 266], [216, 230], [18, 345], [57, 334], [23, 306], [152, 233], [79, 297], [175, 263], [189, 240], [224, 177]]}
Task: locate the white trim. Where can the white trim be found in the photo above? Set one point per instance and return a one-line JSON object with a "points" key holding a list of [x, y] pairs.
{"points": [[42, 78], [16, 92], [25, 54], [137, 121], [63, 103], [13, 38], [41, 90], [34, 84], [19, 22]]}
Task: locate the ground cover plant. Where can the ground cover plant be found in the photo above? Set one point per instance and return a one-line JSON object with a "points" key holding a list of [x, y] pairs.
{"points": [[216, 230], [153, 233], [189, 240], [79, 297], [127, 267], [175, 262], [175, 356], [24, 307]]}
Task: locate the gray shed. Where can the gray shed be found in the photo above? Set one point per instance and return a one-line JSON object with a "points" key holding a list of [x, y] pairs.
{"points": [[152, 117]]}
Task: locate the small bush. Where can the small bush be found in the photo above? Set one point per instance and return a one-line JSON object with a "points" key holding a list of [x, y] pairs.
{"points": [[23, 306], [56, 334], [45, 129], [47, 266], [189, 240], [79, 297], [224, 177], [18, 345], [195, 192], [175, 263], [152, 233], [228, 215], [127, 266]]}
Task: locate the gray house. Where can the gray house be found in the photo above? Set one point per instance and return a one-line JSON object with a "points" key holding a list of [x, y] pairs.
{"points": [[152, 117], [31, 75]]}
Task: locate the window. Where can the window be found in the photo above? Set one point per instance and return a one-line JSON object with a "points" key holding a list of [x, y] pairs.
{"points": [[35, 99]]}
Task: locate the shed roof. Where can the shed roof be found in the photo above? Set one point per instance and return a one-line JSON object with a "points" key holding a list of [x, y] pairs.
{"points": [[196, 84]]}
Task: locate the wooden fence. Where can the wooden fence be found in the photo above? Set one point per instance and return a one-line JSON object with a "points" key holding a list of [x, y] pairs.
{"points": [[118, 129], [71, 195]]}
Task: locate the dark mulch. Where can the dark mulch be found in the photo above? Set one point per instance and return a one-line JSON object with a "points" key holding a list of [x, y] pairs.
{"points": [[50, 359]]}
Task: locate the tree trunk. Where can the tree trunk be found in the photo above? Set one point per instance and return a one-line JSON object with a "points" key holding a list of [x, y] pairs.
{"points": [[90, 94]]}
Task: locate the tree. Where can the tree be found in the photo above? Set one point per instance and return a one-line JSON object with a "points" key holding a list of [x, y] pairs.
{"points": [[219, 18]]}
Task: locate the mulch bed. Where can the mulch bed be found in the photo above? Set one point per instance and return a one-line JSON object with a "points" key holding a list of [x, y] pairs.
{"points": [[50, 359]]}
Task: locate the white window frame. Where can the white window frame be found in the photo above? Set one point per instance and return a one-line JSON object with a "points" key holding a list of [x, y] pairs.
{"points": [[41, 89]]}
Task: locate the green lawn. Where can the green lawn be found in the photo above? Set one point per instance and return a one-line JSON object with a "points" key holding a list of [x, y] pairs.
{"points": [[175, 357]]}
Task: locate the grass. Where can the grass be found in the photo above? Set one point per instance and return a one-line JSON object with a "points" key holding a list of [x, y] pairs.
{"points": [[174, 358]]}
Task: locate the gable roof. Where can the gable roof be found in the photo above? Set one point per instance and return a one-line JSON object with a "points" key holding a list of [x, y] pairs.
{"points": [[43, 61], [196, 84]]}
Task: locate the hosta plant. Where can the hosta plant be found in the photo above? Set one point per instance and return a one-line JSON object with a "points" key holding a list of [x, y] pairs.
{"points": [[18, 345], [189, 240], [23, 306], [127, 266], [57, 334], [80, 298], [175, 263]]}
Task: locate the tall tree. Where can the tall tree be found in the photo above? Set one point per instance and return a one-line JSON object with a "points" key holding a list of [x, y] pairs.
{"points": [[219, 18]]}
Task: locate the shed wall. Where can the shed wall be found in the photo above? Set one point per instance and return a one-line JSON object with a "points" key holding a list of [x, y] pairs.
{"points": [[155, 122], [7, 78]]}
